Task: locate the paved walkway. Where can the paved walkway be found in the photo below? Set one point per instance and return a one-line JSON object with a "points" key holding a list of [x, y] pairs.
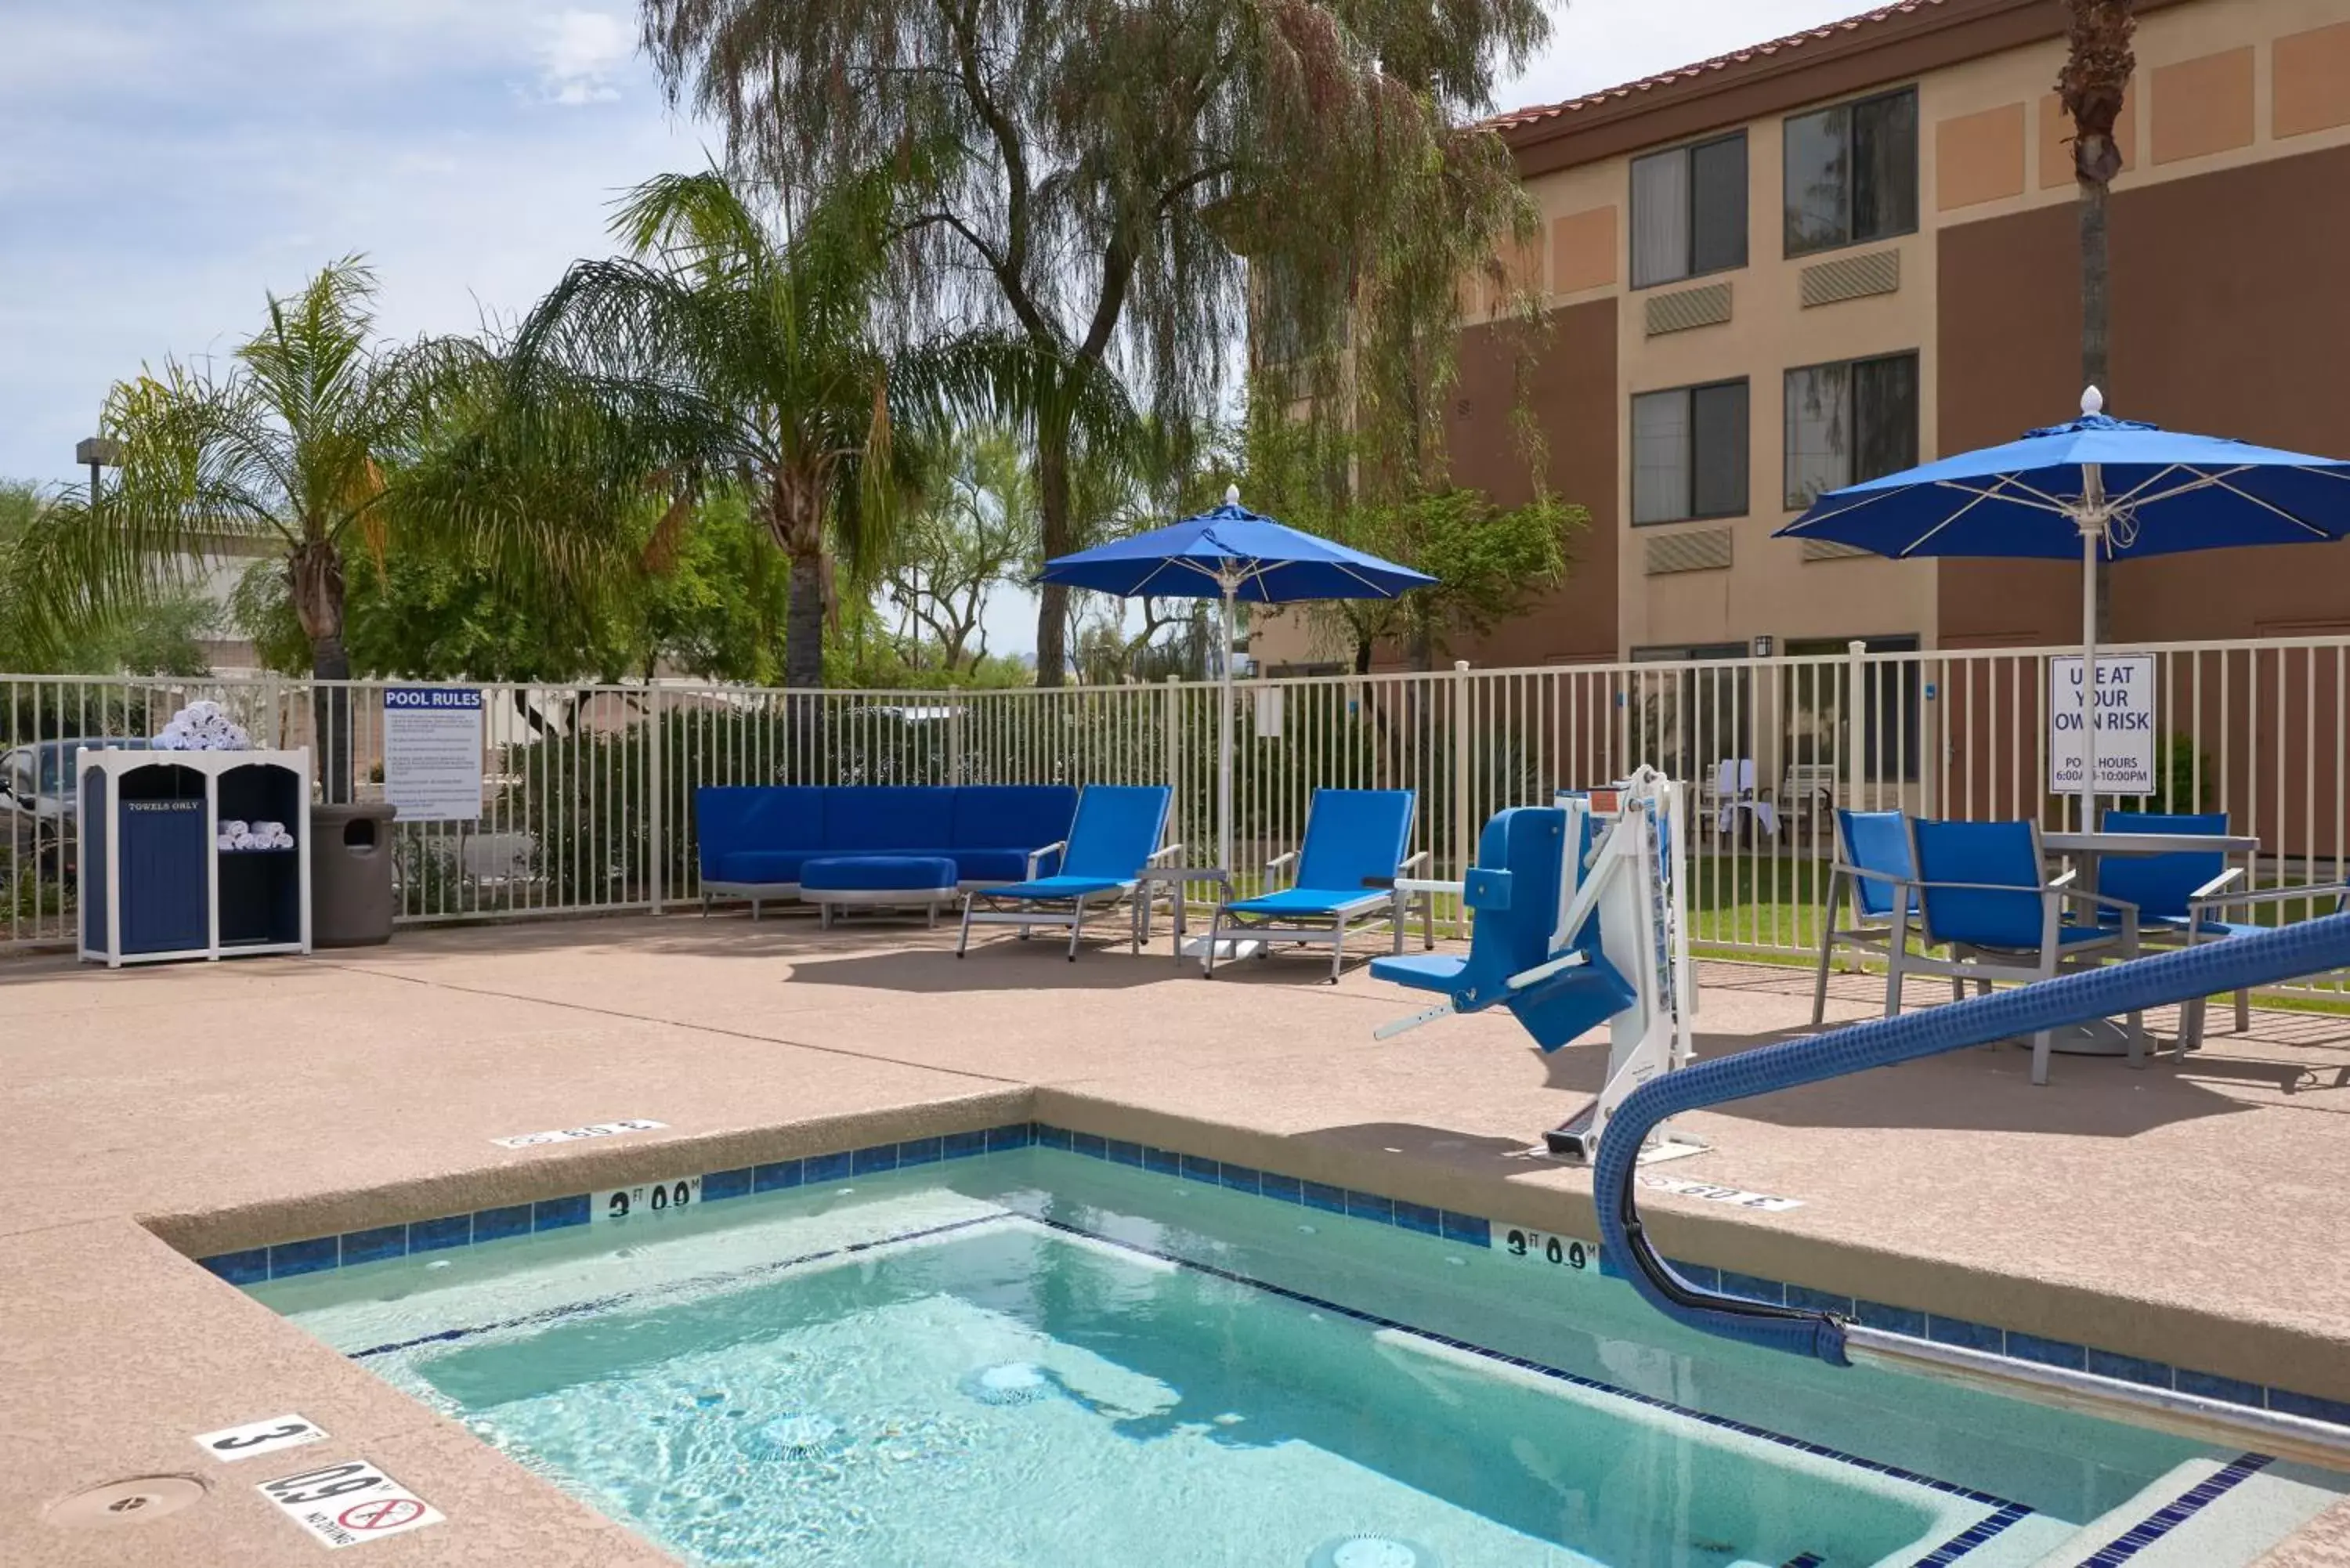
{"points": [[2189, 1212]]}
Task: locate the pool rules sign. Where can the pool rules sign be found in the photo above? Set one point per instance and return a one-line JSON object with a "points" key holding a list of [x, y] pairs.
{"points": [[432, 752], [2125, 711]]}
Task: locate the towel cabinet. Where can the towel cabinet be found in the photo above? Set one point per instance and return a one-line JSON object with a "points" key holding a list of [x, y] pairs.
{"points": [[154, 882]]}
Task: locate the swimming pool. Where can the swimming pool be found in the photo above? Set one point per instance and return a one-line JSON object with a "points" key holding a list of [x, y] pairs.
{"points": [[1036, 1359]]}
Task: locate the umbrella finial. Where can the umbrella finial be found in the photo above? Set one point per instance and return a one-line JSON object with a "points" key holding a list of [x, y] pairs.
{"points": [[2093, 401], [1231, 495]]}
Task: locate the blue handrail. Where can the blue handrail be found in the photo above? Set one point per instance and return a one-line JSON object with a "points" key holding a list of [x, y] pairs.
{"points": [[2305, 948]]}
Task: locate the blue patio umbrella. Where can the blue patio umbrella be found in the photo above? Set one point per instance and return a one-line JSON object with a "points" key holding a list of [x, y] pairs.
{"points": [[1231, 554], [2095, 485]]}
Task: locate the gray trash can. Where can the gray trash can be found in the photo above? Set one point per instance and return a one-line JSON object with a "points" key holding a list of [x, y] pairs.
{"points": [[351, 898]]}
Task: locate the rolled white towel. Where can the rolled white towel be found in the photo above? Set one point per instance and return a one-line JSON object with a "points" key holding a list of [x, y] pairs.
{"points": [[230, 827], [248, 841], [267, 829], [281, 841], [225, 841]]}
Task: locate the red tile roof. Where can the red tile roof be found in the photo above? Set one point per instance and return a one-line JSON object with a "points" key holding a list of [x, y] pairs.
{"points": [[1544, 113]]}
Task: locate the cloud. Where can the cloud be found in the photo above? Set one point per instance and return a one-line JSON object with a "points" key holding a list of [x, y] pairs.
{"points": [[581, 54]]}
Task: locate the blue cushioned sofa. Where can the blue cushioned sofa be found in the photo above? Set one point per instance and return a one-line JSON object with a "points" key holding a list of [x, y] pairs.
{"points": [[752, 840]]}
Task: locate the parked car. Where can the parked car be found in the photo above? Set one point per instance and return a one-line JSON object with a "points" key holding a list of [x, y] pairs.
{"points": [[36, 790]]}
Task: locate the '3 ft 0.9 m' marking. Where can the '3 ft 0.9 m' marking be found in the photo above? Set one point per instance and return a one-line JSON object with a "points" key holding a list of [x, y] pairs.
{"points": [[1564, 1251]]}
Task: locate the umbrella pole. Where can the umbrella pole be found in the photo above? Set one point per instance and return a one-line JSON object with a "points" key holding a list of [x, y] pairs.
{"points": [[1224, 740], [2093, 528]]}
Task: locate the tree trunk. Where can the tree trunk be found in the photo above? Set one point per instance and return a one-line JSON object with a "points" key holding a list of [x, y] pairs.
{"points": [[2096, 308], [1362, 656], [803, 624], [1055, 536], [314, 573]]}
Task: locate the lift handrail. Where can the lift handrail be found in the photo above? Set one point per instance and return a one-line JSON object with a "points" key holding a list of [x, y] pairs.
{"points": [[2305, 948]]}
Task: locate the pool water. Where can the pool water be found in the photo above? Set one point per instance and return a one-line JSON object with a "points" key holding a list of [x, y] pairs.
{"points": [[1034, 1359]]}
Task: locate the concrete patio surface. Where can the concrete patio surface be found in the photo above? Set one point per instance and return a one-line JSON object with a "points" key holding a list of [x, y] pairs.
{"points": [[2189, 1212]]}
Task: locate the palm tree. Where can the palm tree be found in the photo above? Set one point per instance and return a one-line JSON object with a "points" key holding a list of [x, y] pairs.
{"points": [[293, 448], [723, 348], [2096, 72]]}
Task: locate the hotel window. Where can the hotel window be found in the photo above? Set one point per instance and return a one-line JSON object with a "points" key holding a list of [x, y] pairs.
{"points": [[1852, 173], [1688, 211], [1849, 421], [1689, 453]]}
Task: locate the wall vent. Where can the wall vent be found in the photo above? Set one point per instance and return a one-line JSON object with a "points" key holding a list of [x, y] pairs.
{"points": [[1688, 307], [1852, 277], [1829, 550], [1707, 550]]}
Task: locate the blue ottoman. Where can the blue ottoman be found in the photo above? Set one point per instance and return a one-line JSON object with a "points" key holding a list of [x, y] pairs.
{"points": [[840, 880]]}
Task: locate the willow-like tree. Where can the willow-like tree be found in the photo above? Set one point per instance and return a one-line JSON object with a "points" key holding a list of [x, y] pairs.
{"points": [[1090, 174]]}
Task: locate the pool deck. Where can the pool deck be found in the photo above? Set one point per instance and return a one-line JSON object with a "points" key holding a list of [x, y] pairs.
{"points": [[2190, 1213]]}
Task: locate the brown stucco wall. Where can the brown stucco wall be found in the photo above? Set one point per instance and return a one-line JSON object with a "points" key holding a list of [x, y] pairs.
{"points": [[1572, 400], [2229, 318]]}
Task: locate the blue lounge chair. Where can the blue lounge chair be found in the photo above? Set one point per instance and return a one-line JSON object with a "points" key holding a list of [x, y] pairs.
{"points": [[1514, 890], [1980, 892], [1112, 842], [1347, 869], [1872, 869]]}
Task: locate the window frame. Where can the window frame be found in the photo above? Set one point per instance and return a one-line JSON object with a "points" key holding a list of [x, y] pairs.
{"points": [[1917, 173], [1688, 392], [1687, 152], [1852, 419]]}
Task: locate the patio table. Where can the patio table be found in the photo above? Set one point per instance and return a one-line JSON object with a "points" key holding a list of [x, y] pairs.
{"points": [[1177, 880], [2088, 851]]}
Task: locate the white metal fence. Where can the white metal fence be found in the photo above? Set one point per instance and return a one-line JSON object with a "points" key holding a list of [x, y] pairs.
{"points": [[586, 794]]}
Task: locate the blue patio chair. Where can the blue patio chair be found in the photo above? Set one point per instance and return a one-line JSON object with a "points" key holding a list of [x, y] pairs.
{"points": [[1871, 872], [2167, 888], [1513, 890], [2184, 897], [1346, 875], [1113, 841], [1980, 892]]}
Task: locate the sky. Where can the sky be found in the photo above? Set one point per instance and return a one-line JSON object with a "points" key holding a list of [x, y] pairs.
{"points": [[164, 164]]}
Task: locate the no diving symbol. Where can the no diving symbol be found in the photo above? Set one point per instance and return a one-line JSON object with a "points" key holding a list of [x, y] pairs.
{"points": [[383, 1513]]}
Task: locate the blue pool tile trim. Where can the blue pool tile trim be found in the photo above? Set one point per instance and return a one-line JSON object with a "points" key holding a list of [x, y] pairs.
{"points": [[1810, 1300], [285, 1260], [1959, 1545], [374, 1246], [2178, 1511], [718, 1185], [558, 1213], [436, 1235], [1891, 1319], [249, 1267], [1967, 1335], [2048, 1352]]}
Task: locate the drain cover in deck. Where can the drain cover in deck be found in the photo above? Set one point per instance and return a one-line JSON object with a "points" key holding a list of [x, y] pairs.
{"points": [[133, 1501]]}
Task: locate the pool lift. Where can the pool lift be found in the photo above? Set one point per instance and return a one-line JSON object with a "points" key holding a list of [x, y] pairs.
{"points": [[1610, 868]]}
